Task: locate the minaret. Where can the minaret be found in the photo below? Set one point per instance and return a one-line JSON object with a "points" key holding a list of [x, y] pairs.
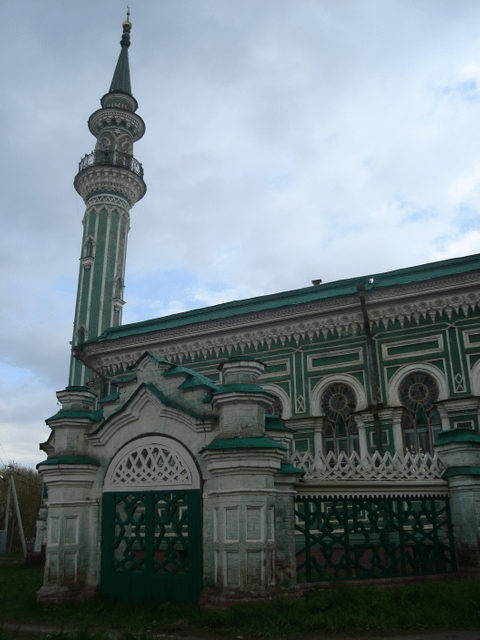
{"points": [[110, 181]]}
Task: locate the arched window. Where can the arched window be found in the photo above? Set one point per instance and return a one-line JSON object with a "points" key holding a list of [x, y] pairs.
{"points": [[89, 248], [341, 432], [276, 408], [420, 419], [118, 289]]}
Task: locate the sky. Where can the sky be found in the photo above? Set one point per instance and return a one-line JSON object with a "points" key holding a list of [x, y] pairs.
{"points": [[286, 140]]}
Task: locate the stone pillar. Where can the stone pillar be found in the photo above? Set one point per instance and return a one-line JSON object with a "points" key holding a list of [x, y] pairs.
{"points": [[248, 491], [459, 450], [73, 498], [72, 561]]}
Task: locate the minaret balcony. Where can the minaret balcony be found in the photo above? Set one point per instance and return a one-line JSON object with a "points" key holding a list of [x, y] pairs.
{"points": [[110, 172], [113, 159]]}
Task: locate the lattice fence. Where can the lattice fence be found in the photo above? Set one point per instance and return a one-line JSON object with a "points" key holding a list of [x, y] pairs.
{"points": [[353, 538]]}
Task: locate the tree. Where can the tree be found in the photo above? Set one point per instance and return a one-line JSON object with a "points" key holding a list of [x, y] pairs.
{"points": [[29, 489]]}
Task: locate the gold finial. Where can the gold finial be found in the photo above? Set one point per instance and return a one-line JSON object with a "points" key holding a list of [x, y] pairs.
{"points": [[127, 24]]}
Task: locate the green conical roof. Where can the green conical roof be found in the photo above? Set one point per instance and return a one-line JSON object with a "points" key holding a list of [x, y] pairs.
{"points": [[121, 77]]}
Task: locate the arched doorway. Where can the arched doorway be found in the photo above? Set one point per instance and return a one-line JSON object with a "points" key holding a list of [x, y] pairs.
{"points": [[151, 523]]}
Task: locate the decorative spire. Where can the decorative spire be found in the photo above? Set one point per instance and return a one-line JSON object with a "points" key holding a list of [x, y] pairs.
{"points": [[121, 77]]}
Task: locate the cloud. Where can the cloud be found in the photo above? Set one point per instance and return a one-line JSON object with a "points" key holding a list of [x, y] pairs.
{"points": [[285, 142]]}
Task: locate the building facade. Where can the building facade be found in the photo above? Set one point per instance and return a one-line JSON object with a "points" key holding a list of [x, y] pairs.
{"points": [[330, 432]]}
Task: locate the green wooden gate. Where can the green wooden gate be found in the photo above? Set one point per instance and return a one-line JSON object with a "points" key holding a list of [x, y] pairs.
{"points": [[347, 538], [151, 546]]}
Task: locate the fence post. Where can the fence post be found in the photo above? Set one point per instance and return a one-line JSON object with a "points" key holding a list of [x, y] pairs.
{"points": [[459, 450]]}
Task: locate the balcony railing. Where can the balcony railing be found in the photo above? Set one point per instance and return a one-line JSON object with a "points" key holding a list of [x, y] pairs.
{"points": [[370, 467], [111, 158]]}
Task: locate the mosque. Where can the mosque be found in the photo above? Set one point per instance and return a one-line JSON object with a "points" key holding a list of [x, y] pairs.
{"points": [[322, 434]]}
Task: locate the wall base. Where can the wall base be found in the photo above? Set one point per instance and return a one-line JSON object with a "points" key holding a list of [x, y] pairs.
{"points": [[74, 592]]}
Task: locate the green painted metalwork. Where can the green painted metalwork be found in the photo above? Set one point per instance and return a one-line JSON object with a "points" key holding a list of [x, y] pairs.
{"points": [[151, 546], [361, 538]]}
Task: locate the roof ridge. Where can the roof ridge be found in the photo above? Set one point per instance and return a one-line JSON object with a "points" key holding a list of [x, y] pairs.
{"points": [[299, 296]]}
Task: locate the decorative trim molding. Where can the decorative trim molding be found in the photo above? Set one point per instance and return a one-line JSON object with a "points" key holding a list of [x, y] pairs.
{"points": [[107, 200], [329, 318], [393, 399], [111, 117], [152, 462], [363, 489], [332, 378], [109, 178], [271, 387]]}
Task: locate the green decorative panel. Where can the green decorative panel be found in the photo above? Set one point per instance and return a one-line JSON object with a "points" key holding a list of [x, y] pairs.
{"points": [[151, 546], [327, 360], [361, 538], [473, 360], [303, 443], [386, 439]]}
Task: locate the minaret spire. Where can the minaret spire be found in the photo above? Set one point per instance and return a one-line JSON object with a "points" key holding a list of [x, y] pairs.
{"points": [[110, 181], [121, 77]]}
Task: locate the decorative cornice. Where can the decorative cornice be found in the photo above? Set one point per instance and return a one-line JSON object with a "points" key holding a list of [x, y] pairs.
{"points": [[99, 178], [87, 262], [329, 318], [109, 202], [111, 117], [366, 489]]}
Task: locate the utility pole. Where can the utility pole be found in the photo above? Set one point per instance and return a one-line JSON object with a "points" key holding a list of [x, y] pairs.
{"points": [[12, 490]]}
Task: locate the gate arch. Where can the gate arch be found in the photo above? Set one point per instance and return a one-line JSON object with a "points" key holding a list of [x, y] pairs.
{"points": [[152, 462], [151, 523]]}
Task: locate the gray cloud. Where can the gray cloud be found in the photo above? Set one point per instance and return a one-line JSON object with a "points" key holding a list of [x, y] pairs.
{"points": [[285, 141]]}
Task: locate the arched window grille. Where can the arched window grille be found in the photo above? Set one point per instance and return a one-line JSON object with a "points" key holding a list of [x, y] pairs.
{"points": [[340, 432], [421, 421]]}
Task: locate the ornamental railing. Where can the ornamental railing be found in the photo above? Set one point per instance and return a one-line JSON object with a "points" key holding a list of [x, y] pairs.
{"points": [[375, 467], [111, 158]]}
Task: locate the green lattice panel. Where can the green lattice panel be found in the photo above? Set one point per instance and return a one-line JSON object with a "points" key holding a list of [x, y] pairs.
{"points": [[151, 546], [170, 544], [129, 534], [363, 538]]}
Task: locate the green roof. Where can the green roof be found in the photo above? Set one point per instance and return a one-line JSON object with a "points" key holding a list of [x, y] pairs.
{"points": [[240, 388], [275, 423], [420, 273], [289, 468], [194, 379], [70, 460], [156, 392], [111, 398], [457, 435], [70, 413], [453, 472]]}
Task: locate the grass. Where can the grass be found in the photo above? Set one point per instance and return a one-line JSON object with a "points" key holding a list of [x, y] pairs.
{"points": [[431, 606]]}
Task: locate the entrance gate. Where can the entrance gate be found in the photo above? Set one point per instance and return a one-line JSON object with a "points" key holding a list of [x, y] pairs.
{"points": [[366, 537], [151, 524], [151, 547]]}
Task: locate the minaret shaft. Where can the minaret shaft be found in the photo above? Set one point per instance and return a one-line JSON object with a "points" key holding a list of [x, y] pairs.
{"points": [[110, 181]]}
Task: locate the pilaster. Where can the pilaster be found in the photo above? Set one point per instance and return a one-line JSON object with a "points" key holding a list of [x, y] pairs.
{"points": [[248, 491], [459, 450]]}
